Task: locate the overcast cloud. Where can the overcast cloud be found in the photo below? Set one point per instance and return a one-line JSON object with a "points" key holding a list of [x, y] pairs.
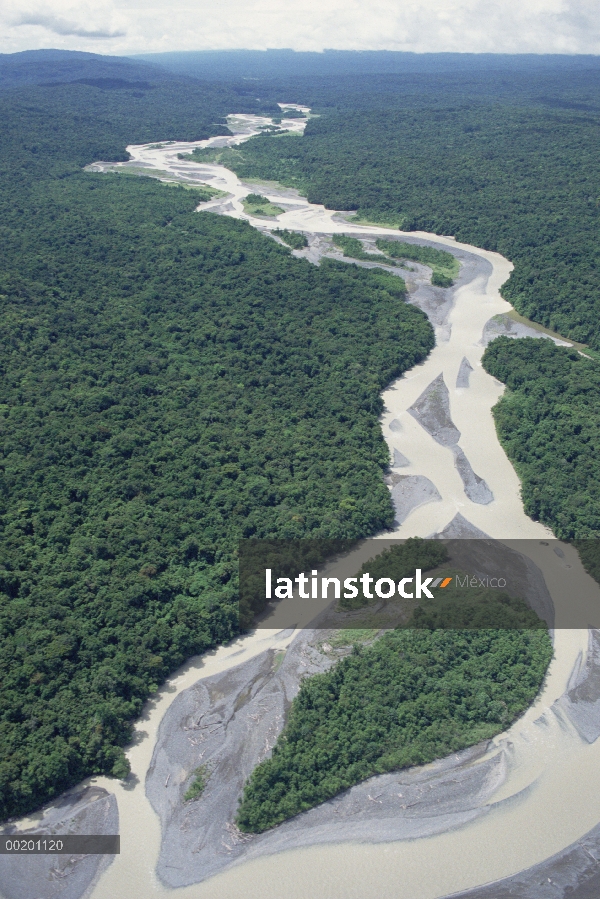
{"points": [[64, 27], [133, 26]]}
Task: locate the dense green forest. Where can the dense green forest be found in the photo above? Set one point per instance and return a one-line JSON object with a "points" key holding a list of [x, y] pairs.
{"points": [[51, 131], [171, 382], [412, 696], [589, 553], [548, 421]]}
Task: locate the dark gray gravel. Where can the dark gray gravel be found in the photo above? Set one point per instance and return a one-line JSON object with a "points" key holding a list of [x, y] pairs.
{"points": [[87, 810], [400, 460], [411, 491], [475, 487], [464, 373], [432, 410]]}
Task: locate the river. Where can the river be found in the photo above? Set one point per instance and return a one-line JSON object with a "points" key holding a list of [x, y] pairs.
{"points": [[551, 795]]}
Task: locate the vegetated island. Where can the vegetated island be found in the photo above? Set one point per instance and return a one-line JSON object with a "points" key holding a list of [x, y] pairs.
{"points": [[256, 204], [454, 675], [293, 239], [445, 266], [290, 113], [203, 192], [353, 248]]}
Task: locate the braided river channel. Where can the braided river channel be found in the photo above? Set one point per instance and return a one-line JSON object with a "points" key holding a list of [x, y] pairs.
{"points": [[527, 796]]}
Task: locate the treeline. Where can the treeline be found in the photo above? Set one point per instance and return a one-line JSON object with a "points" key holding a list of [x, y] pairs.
{"points": [[171, 382], [548, 422], [413, 696]]}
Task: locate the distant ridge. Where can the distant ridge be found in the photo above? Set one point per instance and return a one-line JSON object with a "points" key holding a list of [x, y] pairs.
{"points": [[51, 67], [235, 64]]}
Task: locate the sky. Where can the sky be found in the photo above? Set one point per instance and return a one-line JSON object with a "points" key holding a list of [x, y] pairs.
{"points": [[123, 27]]}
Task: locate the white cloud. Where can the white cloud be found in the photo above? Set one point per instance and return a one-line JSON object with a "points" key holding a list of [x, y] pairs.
{"points": [[133, 26], [64, 27]]}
